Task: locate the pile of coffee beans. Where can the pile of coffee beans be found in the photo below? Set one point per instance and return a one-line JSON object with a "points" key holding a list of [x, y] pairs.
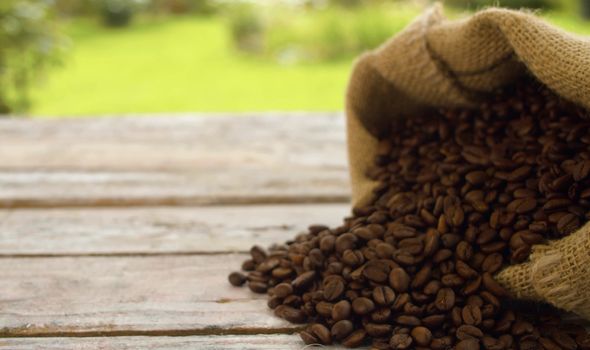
{"points": [[461, 194]]}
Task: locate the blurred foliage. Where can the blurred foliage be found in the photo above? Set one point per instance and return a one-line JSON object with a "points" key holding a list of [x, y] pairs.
{"points": [[247, 27], [30, 41], [204, 7], [513, 4], [291, 35], [118, 13]]}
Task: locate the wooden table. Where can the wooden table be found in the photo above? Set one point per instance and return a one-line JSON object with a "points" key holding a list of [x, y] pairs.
{"points": [[119, 233]]}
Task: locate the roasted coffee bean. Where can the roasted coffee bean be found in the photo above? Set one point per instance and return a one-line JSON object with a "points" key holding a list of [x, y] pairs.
{"points": [[471, 315], [237, 279], [304, 280], [383, 295], [341, 310], [344, 242], [563, 340], [321, 333], [258, 254], [468, 332], [460, 194], [290, 314], [568, 223], [282, 290], [355, 339], [376, 330], [445, 299], [362, 306], [401, 341], [468, 344], [341, 329], [494, 287], [422, 336], [399, 280], [249, 265], [308, 338], [376, 271], [258, 287], [334, 289], [407, 320]]}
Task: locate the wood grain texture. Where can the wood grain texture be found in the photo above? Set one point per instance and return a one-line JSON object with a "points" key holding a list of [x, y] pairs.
{"points": [[158, 230], [172, 295], [182, 160], [226, 342]]}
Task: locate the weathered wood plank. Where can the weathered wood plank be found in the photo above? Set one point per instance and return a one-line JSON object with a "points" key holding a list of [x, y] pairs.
{"points": [[159, 230], [225, 342], [182, 160], [167, 295]]}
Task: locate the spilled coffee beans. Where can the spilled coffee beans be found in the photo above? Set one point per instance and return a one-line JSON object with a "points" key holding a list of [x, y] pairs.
{"points": [[461, 194]]}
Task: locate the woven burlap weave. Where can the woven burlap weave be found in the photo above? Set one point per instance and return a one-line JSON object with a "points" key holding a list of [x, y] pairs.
{"points": [[436, 62]]}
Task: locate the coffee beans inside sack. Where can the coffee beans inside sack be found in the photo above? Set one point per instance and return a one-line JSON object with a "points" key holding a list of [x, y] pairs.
{"points": [[461, 195]]}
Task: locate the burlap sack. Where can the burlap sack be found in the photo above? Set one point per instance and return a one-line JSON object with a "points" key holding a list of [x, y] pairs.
{"points": [[435, 62]]}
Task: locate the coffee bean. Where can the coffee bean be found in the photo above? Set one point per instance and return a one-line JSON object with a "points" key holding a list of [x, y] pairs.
{"points": [[468, 344], [341, 310], [362, 306], [464, 251], [334, 289], [548, 344], [341, 329], [376, 271], [258, 254], [471, 315], [304, 280], [490, 284], [568, 223], [258, 287], [422, 336], [376, 330], [355, 339], [282, 290], [290, 314], [476, 178], [383, 295], [237, 279], [308, 338], [563, 340], [400, 341], [321, 333], [407, 320], [248, 265], [468, 332], [581, 170], [344, 242], [445, 299], [399, 280]]}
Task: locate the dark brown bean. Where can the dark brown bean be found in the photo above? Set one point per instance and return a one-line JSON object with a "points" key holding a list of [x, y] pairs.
{"points": [[363, 306], [400, 341], [334, 289], [399, 280], [341, 310], [237, 279], [383, 295], [422, 336], [341, 329], [355, 339]]}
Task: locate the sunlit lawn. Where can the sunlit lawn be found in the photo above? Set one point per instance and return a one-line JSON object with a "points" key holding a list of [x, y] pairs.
{"points": [[185, 64], [188, 64]]}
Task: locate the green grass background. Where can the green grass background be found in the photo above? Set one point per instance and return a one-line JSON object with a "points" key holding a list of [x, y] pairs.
{"points": [[184, 64]]}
